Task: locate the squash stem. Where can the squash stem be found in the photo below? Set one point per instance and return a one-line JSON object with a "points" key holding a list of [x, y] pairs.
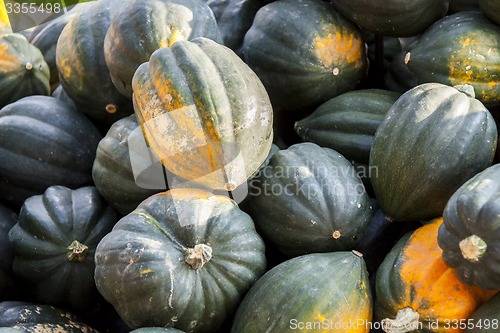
{"points": [[406, 320], [198, 256], [473, 248], [76, 251]]}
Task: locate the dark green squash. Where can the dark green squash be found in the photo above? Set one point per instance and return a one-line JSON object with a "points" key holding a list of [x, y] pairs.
{"points": [[184, 258], [45, 37], [462, 48], [40, 318], [486, 319], [54, 243], [44, 141], [304, 52], [347, 123], [469, 235], [309, 199], [112, 170], [24, 71], [398, 18], [320, 292], [433, 139], [490, 9], [204, 113], [141, 27], [82, 66], [7, 281]]}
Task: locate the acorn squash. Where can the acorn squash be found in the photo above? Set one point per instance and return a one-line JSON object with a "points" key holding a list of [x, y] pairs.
{"points": [[184, 259], [470, 234]]}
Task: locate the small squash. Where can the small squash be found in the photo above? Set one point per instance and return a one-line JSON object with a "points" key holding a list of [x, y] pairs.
{"points": [[470, 233], [305, 53], [82, 66], [40, 318], [23, 70], [327, 292], [183, 258], [44, 141], [433, 139], [140, 27], [486, 319], [347, 123], [309, 199], [204, 113], [54, 243], [462, 48], [399, 18], [112, 169], [417, 292]]}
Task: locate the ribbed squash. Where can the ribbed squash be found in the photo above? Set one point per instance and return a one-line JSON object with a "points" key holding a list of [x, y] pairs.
{"points": [[490, 9], [82, 66], [321, 292], [398, 18], [7, 281], [417, 292], [184, 259], [470, 234], [54, 243], [44, 141], [112, 170], [486, 319], [462, 48], [347, 123], [204, 113], [433, 139], [140, 27], [40, 318], [23, 70], [309, 199], [304, 52]]}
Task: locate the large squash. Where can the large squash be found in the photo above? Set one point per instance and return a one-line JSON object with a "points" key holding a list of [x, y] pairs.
{"points": [[309, 199], [204, 113], [82, 66], [44, 141], [433, 139], [320, 292], [184, 259], [54, 243], [417, 292], [23, 70], [304, 52], [140, 27], [399, 18], [462, 48], [470, 234]]}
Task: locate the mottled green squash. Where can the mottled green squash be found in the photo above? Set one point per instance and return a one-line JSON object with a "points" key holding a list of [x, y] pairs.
{"points": [[320, 292], [462, 48], [140, 27], [304, 59], [433, 139]]}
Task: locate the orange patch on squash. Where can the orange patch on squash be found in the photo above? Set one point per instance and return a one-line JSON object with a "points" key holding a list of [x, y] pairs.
{"points": [[432, 288], [335, 48]]}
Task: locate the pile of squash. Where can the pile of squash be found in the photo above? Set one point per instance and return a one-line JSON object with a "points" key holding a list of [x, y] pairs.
{"points": [[251, 166]]}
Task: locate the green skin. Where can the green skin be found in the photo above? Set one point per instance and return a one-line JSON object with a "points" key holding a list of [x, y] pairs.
{"points": [[152, 23], [45, 142], [112, 170], [433, 139], [309, 199], [473, 210], [54, 243], [141, 266], [487, 314], [347, 123], [398, 18], [82, 67], [490, 8], [303, 287], [29, 75]]}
